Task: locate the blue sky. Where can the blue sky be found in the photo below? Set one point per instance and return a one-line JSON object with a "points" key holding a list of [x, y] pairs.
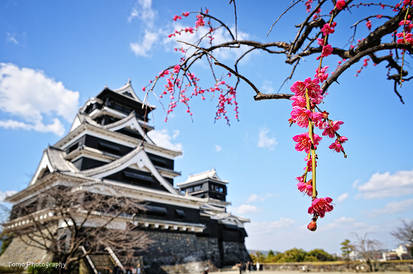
{"points": [[58, 54]]}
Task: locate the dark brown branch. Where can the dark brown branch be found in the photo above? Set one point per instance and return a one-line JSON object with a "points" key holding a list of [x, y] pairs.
{"points": [[360, 55], [235, 18], [259, 95], [302, 25], [374, 37], [281, 15], [270, 96], [219, 21]]}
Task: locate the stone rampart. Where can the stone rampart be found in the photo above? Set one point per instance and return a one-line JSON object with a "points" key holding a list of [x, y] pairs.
{"points": [[388, 266]]}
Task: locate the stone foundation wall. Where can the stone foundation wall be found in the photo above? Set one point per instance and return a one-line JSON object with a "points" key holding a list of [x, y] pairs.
{"points": [[402, 266], [174, 252], [235, 252], [21, 253], [171, 248]]}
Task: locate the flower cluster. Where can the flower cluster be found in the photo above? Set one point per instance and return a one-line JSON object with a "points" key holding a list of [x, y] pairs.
{"points": [[365, 64], [405, 36], [181, 85], [340, 4], [368, 24], [320, 206], [328, 28], [306, 113]]}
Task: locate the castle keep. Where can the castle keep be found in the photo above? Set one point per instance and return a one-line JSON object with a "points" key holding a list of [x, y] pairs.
{"points": [[108, 151]]}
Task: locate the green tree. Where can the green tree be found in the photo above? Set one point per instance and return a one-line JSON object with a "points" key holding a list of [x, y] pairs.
{"points": [[292, 255], [404, 234], [273, 257], [320, 255], [346, 249], [253, 257], [310, 258], [259, 256]]}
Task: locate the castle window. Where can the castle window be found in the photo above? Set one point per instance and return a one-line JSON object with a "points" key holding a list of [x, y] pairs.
{"points": [[73, 147], [219, 189], [137, 176], [109, 147], [180, 213], [155, 210], [197, 188]]}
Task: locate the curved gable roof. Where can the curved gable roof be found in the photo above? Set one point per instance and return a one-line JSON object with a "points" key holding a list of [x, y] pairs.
{"points": [[53, 160], [137, 156]]}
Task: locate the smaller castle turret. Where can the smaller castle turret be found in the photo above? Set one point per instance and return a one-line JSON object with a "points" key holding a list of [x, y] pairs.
{"points": [[206, 184]]}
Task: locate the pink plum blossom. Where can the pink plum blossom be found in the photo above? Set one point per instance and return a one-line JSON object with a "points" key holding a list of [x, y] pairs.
{"points": [[313, 89], [298, 101], [340, 4], [320, 206], [300, 116], [317, 118], [337, 145], [368, 24], [200, 21], [304, 142], [328, 28], [326, 51], [306, 188], [321, 74], [331, 128]]}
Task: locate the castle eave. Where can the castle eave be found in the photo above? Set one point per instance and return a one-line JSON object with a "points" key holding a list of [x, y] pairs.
{"points": [[48, 180]]}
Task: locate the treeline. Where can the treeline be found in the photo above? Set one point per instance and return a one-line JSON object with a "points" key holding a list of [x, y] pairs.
{"points": [[293, 255]]}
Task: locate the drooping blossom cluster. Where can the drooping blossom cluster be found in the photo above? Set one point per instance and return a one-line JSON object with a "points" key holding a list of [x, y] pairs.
{"points": [[306, 113], [181, 85], [365, 64], [404, 36]]}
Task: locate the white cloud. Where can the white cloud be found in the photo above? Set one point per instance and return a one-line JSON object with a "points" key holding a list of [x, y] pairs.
{"points": [[252, 198], [387, 185], [163, 139], [344, 223], [220, 36], [342, 197], [56, 127], [267, 87], [260, 228], [143, 11], [175, 134], [264, 141], [143, 48], [11, 38], [4, 194], [244, 209], [395, 207], [259, 197], [31, 96], [218, 148]]}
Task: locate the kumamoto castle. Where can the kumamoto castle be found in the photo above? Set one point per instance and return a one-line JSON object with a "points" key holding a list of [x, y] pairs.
{"points": [[108, 152]]}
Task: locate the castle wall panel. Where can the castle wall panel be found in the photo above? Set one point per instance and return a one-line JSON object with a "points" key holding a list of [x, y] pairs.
{"points": [[143, 179]]}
